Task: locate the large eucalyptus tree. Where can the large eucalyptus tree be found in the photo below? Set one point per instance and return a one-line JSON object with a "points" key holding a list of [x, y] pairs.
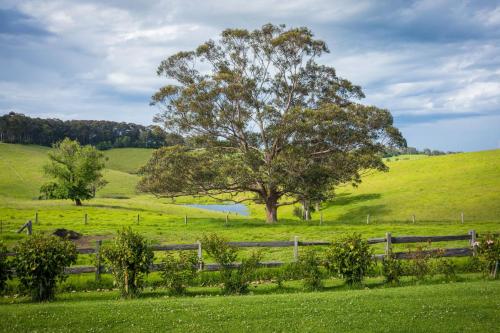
{"points": [[264, 120]]}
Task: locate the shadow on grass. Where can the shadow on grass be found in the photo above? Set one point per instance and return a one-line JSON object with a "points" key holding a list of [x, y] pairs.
{"points": [[360, 214], [349, 199]]}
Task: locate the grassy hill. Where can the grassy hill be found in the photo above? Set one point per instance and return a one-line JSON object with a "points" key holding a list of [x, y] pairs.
{"points": [[435, 189], [431, 188]]}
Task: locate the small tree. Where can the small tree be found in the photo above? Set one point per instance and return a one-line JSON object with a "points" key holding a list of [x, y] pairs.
{"points": [[129, 257], [177, 273], [4, 268], [350, 258], [40, 263], [77, 172], [235, 279]]}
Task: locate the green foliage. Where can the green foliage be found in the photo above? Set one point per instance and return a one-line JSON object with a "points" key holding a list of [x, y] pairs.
{"points": [[349, 258], [309, 268], [129, 256], [77, 172], [235, 279], [419, 265], [178, 273], [252, 131], [489, 252], [392, 270], [40, 263], [5, 273], [447, 267]]}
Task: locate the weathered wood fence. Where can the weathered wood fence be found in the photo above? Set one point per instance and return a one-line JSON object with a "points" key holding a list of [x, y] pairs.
{"points": [[389, 240]]}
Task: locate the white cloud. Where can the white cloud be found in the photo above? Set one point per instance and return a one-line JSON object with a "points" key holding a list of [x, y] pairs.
{"points": [[431, 57]]}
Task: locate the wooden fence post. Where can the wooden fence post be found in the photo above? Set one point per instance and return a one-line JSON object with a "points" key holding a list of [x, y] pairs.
{"points": [[185, 219], [472, 234], [30, 227], [462, 217], [98, 244], [36, 217], [368, 219], [388, 244], [296, 248], [413, 218], [200, 256], [227, 219], [138, 219], [85, 219]]}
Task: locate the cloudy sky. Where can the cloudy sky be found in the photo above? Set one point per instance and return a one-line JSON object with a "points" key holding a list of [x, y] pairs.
{"points": [[435, 64]]}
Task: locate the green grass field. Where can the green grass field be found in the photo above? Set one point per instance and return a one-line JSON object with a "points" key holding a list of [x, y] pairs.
{"points": [[472, 306], [435, 189]]}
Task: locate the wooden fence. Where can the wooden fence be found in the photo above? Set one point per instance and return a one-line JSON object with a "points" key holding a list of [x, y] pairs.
{"points": [[388, 240]]}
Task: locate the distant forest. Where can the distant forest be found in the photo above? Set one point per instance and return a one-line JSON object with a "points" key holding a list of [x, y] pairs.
{"points": [[18, 128], [414, 151]]}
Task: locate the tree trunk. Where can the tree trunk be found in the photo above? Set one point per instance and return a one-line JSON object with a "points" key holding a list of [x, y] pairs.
{"points": [[306, 210], [271, 210], [78, 202]]}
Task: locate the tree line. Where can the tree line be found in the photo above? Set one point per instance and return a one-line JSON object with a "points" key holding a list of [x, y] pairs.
{"points": [[103, 134], [395, 151]]}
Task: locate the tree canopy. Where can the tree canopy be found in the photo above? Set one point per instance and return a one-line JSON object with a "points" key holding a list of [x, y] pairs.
{"points": [[263, 117], [76, 170]]}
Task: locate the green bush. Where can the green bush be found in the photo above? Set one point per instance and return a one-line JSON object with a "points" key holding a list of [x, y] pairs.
{"points": [[4, 268], [392, 270], [489, 252], [447, 267], [235, 279], [349, 258], [419, 265], [178, 273], [129, 256], [40, 263], [309, 269]]}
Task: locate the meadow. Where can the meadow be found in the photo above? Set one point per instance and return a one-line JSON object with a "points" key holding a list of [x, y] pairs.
{"points": [[457, 307], [436, 190]]}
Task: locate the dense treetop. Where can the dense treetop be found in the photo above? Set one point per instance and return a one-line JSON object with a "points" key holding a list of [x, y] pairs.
{"points": [[268, 119]]}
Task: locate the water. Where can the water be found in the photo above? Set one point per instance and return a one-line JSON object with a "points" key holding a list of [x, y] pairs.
{"points": [[238, 208]]}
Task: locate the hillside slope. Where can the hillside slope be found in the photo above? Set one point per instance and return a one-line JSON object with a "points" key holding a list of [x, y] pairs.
{"points": [[432, 188]]}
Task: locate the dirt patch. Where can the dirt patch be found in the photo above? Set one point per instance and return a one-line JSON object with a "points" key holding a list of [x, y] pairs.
{"points": [[89, 241]]}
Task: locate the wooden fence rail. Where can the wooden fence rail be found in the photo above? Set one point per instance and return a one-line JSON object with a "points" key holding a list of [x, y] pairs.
{"points": [[388, 240]]}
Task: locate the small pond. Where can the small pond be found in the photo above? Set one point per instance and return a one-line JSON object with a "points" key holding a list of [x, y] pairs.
{"points": [[238, 208]]}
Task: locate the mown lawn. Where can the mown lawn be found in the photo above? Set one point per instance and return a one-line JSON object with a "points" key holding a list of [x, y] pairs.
{"points": [[456, 307]]}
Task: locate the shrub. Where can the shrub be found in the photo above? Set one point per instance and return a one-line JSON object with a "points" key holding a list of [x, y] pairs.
{"points": [[129, 257], [235, 279], [349, 258], [489, 252], [4, 268], [177, 273], [40, 263], [309, 269], [419, 264], [392, 270], [446, 267]]}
